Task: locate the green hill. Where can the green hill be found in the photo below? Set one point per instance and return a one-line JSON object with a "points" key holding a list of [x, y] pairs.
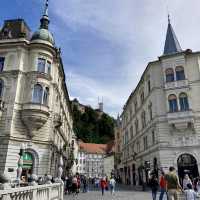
{"points": [[93, 126]]}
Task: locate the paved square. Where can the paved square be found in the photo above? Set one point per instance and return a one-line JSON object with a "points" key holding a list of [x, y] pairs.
{"points": [[120, 195]]}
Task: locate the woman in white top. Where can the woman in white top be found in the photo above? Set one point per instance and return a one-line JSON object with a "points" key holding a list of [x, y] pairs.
{"points": [[186, 181]]}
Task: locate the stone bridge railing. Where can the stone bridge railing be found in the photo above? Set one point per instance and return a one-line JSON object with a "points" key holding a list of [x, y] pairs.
{"points": [[40, 192]]}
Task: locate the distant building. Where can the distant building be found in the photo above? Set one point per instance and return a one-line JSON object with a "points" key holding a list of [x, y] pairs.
{"points": [[79, 106], [91, 159], [118, 165], [160, 120], [34, 102]]}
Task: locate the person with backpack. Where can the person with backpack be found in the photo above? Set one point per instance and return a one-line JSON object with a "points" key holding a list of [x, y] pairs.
{"points": [[112, 185], [173, 185], [162, 186], [154, 185]]}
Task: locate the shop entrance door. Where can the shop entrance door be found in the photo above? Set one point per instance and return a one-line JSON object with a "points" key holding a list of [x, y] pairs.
{"points": [[187, 164]]}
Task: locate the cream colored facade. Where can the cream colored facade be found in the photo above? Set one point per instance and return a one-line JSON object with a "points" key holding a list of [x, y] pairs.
{"points": [[44, 127], [108, 164], [161, 119]]}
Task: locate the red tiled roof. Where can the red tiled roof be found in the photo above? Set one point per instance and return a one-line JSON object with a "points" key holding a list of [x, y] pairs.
{"points": [[95, 148]]}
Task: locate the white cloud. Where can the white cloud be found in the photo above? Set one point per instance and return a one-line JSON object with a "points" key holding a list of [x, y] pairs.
{"points": [[140, 26]]}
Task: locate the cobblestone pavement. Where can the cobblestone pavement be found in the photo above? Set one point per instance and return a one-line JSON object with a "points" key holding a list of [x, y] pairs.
{"points": [[119, 195]]}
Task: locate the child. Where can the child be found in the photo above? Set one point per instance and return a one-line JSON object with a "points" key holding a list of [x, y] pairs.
{"points": [[190, 194]]}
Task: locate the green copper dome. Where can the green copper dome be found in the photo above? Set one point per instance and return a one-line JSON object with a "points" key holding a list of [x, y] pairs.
{"points": [[43, 34]]}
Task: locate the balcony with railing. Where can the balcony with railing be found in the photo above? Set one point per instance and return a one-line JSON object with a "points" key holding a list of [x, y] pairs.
{"points": [[176, 84]]}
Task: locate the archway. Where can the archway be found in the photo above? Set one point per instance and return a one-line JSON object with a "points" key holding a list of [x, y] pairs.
{"points": [[187, 164], [28, 164]]}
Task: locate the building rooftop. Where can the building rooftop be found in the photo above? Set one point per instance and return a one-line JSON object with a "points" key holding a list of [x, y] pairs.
{"points": [[171, 43], [96, 148]]}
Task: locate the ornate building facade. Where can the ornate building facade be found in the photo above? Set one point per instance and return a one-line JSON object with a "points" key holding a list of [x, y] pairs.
{"points": [[161, 118], [34, 103]]}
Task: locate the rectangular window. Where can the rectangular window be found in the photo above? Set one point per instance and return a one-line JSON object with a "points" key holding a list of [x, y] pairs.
{"points": [[153, 137], [145, 142], [48, 67], [41, 65], [131, 132], [2, 60], [149, 86]]}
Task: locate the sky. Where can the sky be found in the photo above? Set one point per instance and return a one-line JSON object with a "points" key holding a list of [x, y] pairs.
{"points": [[107, 44]]}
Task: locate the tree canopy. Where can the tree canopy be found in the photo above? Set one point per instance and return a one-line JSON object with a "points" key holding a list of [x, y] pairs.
{"points": [[92, 126]]}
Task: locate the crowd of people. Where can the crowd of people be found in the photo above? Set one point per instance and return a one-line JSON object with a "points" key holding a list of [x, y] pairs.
{"points": [[170, 186], [80, 183]]}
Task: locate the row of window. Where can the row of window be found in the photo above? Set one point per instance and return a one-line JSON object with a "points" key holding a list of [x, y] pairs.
{"points": [[173, 102], [43, 65], [170, 75], [131, 149], [135, 102], [40, 94], [129, 134]]}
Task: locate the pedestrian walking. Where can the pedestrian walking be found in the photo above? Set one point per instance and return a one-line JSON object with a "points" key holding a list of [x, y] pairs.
{"points": [[112, 185], [85, 184], [186, 181], [154, 185], [163, 185], [190, 194], [103, 185], [173, 184]]}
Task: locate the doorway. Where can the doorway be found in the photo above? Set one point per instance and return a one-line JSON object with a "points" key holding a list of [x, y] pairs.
{"points": [[27, 168], [187, 164]]}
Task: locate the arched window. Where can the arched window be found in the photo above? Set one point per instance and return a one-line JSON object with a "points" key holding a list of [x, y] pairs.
{"points": [[46, 96], [183, 99], [1, 88], [37, 94], [180, 74], [173, 106], [169, 75]]}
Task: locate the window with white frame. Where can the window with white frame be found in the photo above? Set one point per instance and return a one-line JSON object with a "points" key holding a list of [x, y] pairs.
{"points": [[173, 105], [183, 100], [40, 95], [44, 66]]}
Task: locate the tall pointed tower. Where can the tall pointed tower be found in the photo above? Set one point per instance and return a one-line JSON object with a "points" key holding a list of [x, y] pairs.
{"points": [[171, 43]]}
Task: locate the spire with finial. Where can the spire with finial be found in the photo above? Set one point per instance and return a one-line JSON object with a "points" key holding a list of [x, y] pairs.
{"points": [[171, 43], [44, 21], [169, 19]]}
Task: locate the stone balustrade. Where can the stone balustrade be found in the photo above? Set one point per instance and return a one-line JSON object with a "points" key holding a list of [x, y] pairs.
{"points": [[43, 192]]}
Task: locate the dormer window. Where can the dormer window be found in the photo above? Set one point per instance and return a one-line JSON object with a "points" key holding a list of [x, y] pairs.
{"points": [[2, 60], [44, 66], [180, 74]]}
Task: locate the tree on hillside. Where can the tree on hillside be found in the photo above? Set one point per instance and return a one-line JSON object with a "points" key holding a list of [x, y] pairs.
{"points": [[92, 127]]}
